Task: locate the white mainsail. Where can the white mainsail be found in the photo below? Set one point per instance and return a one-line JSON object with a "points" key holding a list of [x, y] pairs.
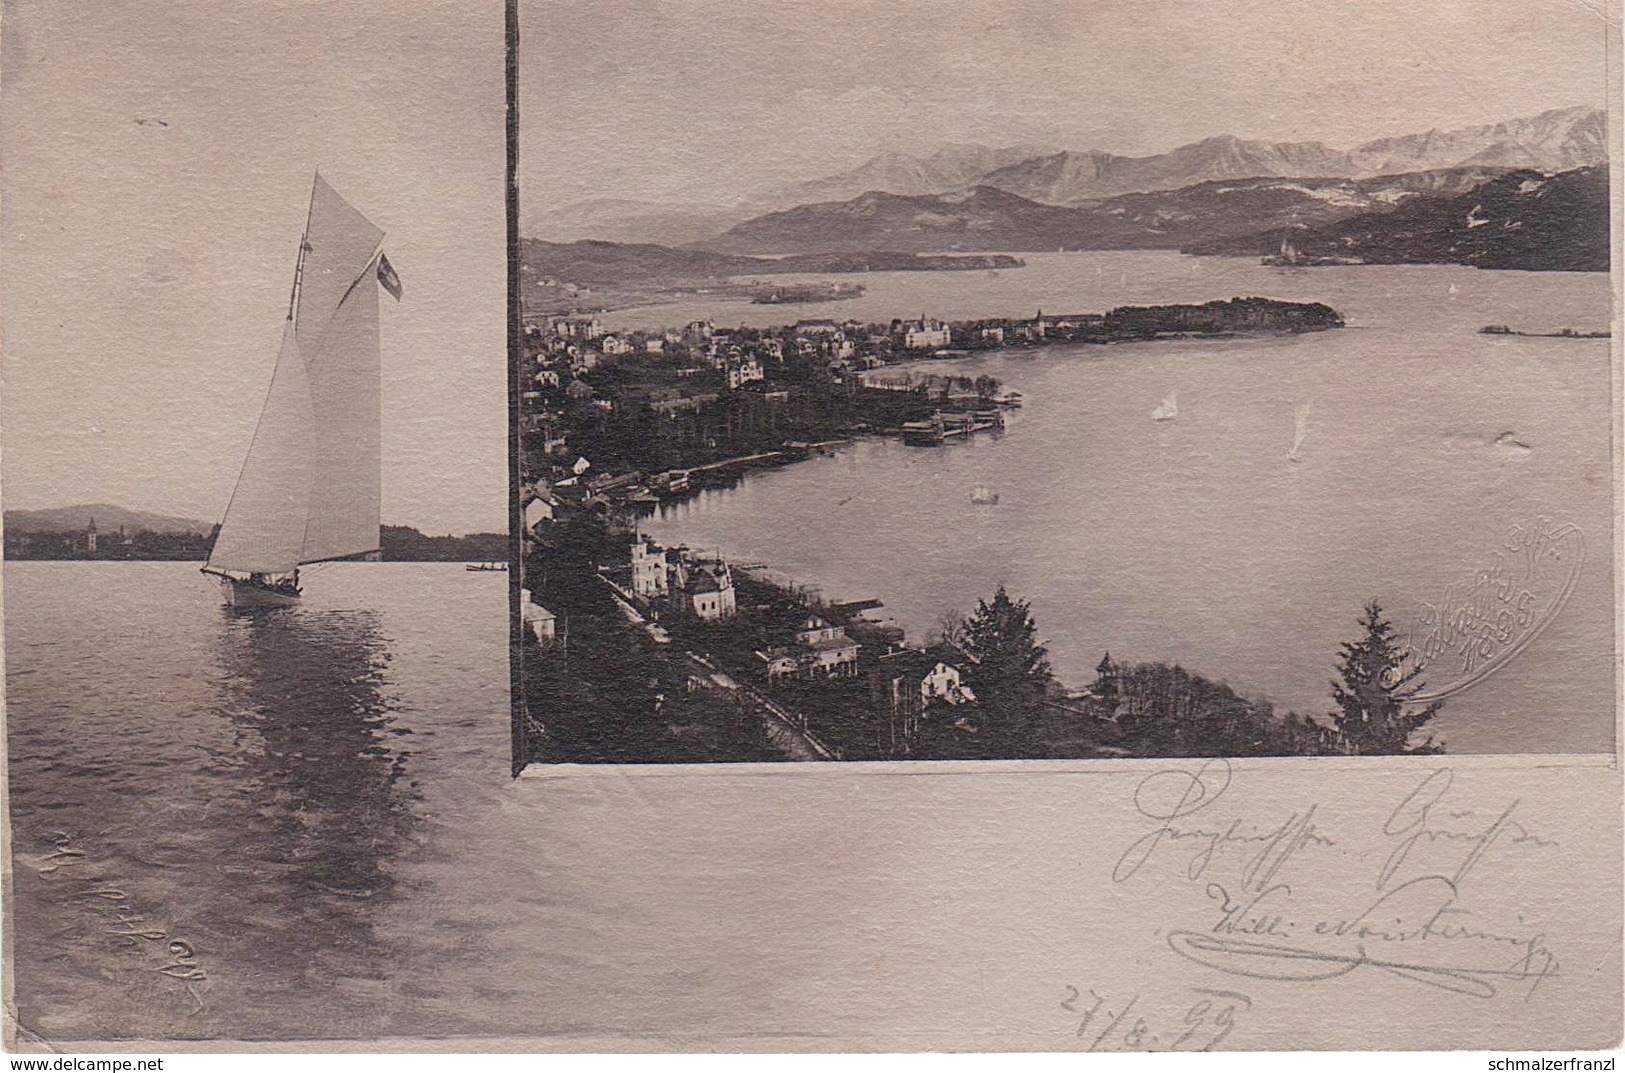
{"points": [[309, 490], [264, 527]]}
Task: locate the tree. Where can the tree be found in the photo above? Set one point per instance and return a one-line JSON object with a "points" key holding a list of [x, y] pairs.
{"points": [[1010, 669], [1165, 710], [1377, 715]]}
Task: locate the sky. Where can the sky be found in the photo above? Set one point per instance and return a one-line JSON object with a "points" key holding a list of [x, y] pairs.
{"points": [[146, 265], [701, 100]]}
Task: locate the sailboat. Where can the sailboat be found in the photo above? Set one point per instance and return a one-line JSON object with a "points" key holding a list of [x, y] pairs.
{"points": [[1168, 409], [1300, 429], [1287, 258], [308, 491]]}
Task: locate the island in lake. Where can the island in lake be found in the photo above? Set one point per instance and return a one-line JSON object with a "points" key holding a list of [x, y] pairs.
{"points": [[798, 293], [1561, 333]]}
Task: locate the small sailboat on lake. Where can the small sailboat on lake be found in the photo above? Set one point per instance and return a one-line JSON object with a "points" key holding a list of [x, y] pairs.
{"points": [[1168, 409], [308, 491], [1300, 429]]}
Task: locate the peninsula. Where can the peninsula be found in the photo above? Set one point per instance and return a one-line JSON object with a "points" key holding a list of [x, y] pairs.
{"points": [[629, 417]]}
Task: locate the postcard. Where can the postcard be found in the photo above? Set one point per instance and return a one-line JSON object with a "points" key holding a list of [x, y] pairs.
{"points": [[821, 527]]}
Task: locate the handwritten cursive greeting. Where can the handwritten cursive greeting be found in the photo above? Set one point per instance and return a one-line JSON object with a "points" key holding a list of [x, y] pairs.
{"points": [[1271, 918], [1171, 797]]}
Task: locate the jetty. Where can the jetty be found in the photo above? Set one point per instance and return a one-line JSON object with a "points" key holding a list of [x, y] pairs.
{"points": [[944, 426], [726, 464]]}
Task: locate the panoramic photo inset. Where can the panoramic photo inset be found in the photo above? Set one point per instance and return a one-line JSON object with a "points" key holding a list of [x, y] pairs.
{"points": [[256, 690], [1062, 381]]}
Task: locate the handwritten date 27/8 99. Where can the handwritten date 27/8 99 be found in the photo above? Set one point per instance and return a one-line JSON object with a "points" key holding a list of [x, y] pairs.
{"points": [[1111, 1025]]}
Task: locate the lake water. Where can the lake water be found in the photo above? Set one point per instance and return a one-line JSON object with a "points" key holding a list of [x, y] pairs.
{"points": [[1197, 540], [286, 793], [299, 825]]}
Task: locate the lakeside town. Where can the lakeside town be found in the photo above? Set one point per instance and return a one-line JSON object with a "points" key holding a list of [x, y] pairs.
{"points": [[649, 411], [636, 652]]}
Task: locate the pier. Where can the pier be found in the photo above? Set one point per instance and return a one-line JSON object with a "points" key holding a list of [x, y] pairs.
{"points": [[727, 463], [945, 426]]}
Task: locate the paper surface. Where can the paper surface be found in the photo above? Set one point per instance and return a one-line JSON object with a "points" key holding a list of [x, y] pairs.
{"points": [[1344, 906], [298, 831]]}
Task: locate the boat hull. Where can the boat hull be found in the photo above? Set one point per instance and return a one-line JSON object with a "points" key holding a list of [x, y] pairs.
{"points": [[244, 595]]}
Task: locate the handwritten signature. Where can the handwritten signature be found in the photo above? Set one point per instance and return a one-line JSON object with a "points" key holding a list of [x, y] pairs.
{"points": [[1423, 908], [1269, 961]]}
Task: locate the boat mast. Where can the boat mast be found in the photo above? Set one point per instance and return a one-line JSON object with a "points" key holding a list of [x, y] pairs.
{"points": [[304, 246], [293, 298]]}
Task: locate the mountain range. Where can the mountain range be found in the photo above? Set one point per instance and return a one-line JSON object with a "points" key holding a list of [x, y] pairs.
{"points": [[1484, 216], [1552, 141], [953, 167], [634, 221], [1557, 140], [988, 218], [1523, 219], [630, 220], [108, 520]]}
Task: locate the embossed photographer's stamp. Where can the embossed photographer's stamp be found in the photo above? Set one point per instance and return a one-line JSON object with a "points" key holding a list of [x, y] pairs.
{"points": [[1476, 627]]}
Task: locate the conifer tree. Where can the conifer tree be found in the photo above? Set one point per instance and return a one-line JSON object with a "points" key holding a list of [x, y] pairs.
{"points": [[1376, 715], [1010, 668]]}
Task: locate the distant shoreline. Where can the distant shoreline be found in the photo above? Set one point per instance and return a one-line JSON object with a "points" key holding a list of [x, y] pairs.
{"points": [[200, 562], [1561, 333], [590, 276], [400, 543]]}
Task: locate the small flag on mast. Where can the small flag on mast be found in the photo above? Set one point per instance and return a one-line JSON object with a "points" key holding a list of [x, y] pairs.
{"points": [[387, 277]]}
